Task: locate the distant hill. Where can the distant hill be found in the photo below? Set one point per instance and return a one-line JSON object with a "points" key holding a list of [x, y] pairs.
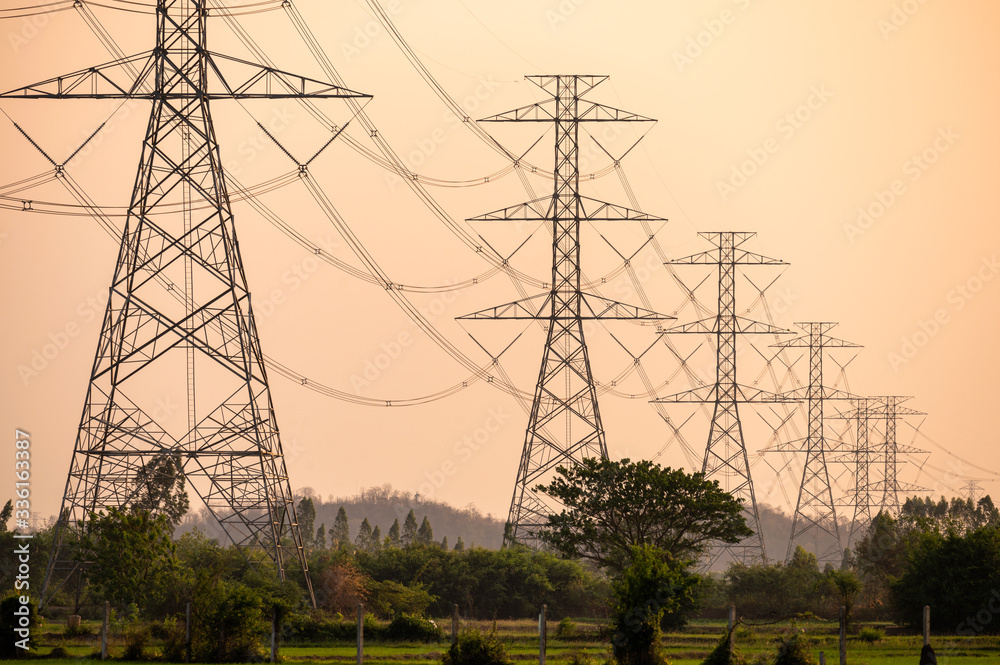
{"points": [[381, 505]]}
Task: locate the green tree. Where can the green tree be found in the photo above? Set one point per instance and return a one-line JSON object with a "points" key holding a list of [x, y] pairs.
{"points": [[459, 545], [131, 555], [444, 543], [320, 540], [611, 507], [956, 575], [409, 535], [425, 534], [159, 488], [649, 587], [365, 535], [340, 532], [844, 586], [8, 510], [393, 539], [376, 539], [306, 512]]}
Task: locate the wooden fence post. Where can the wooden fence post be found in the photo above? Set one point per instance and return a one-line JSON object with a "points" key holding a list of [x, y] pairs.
{"points": [[104, 630], [927, 625], [361, 633], [187, 634], [729, 629], [843, 635], [274, 635], [541, 637]]}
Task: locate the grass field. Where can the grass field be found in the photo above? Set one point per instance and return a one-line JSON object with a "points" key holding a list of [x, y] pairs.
{"points": [[689, 647]]}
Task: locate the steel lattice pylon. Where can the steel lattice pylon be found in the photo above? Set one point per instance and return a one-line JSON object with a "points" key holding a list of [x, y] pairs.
{"points": [[179, 300], [564, 424], [871, 497], [726, 453], [815, 511]]}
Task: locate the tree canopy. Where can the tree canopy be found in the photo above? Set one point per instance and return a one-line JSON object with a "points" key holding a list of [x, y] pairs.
{"points": [[612, 507]]}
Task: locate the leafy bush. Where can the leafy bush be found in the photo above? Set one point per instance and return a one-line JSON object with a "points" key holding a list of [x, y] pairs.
{"points": [[871, 635], [566, 628], [475, 648], [407, 628], [721, 654], [9, 622], [794, 649]]}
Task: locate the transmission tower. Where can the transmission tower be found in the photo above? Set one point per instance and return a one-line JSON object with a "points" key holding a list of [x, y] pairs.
{"points": [[179, 301], [973, 490], [726, 454], [564, 425], [891, 409], [815, 512], [862, 456]]}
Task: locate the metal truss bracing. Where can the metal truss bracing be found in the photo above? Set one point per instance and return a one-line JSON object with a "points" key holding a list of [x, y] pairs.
{"points": [[725, 453], [869, 497], [815, 511], [564, 425], [179, 301]]}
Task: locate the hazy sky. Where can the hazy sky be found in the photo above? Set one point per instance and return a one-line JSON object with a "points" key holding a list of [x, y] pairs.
{"points": [[858, 139]]}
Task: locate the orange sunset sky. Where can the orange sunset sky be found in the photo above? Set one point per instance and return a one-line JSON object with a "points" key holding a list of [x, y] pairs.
{"points": [[858, 139]]}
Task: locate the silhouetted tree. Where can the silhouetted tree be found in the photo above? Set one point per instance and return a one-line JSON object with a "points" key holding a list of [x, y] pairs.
{"points": [[340, 533], [409, 534], [425, 534], [393, 539]]}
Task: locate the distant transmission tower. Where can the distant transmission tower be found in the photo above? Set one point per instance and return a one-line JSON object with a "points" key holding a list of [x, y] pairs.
{"points": [[726, 453], [179, 300], [973, 490], [891, 409], [564, 426], [815, 512], [862, 456]]}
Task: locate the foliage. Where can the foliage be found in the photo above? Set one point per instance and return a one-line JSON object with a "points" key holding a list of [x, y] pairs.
{"points": [[654, 583], [723, 654], [393, 539], [9, 621], [844, 586], [475, 648], [871, 635], [132, 556], [954, 574], [425, 534], [459, 545], [340, 532], [507, 583], [775, 590], [389, 598], [409, 535], [320, 539], [566, 628], [794, 649], [409, 628], [160, 488], [612, 506], [340, 586], [8, 510], [134, 632], [306, 514], [365, 536]]}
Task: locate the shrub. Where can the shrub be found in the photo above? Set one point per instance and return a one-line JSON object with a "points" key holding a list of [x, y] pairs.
{"points": [[871, 635], [408, 628], [475, 648], [566, 628], [794, 649], [721, 655]]}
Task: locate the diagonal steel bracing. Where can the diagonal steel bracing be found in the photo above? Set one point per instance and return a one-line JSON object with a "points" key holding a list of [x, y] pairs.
{"points": [[178, 302], [564, 425], [725, 453]]}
